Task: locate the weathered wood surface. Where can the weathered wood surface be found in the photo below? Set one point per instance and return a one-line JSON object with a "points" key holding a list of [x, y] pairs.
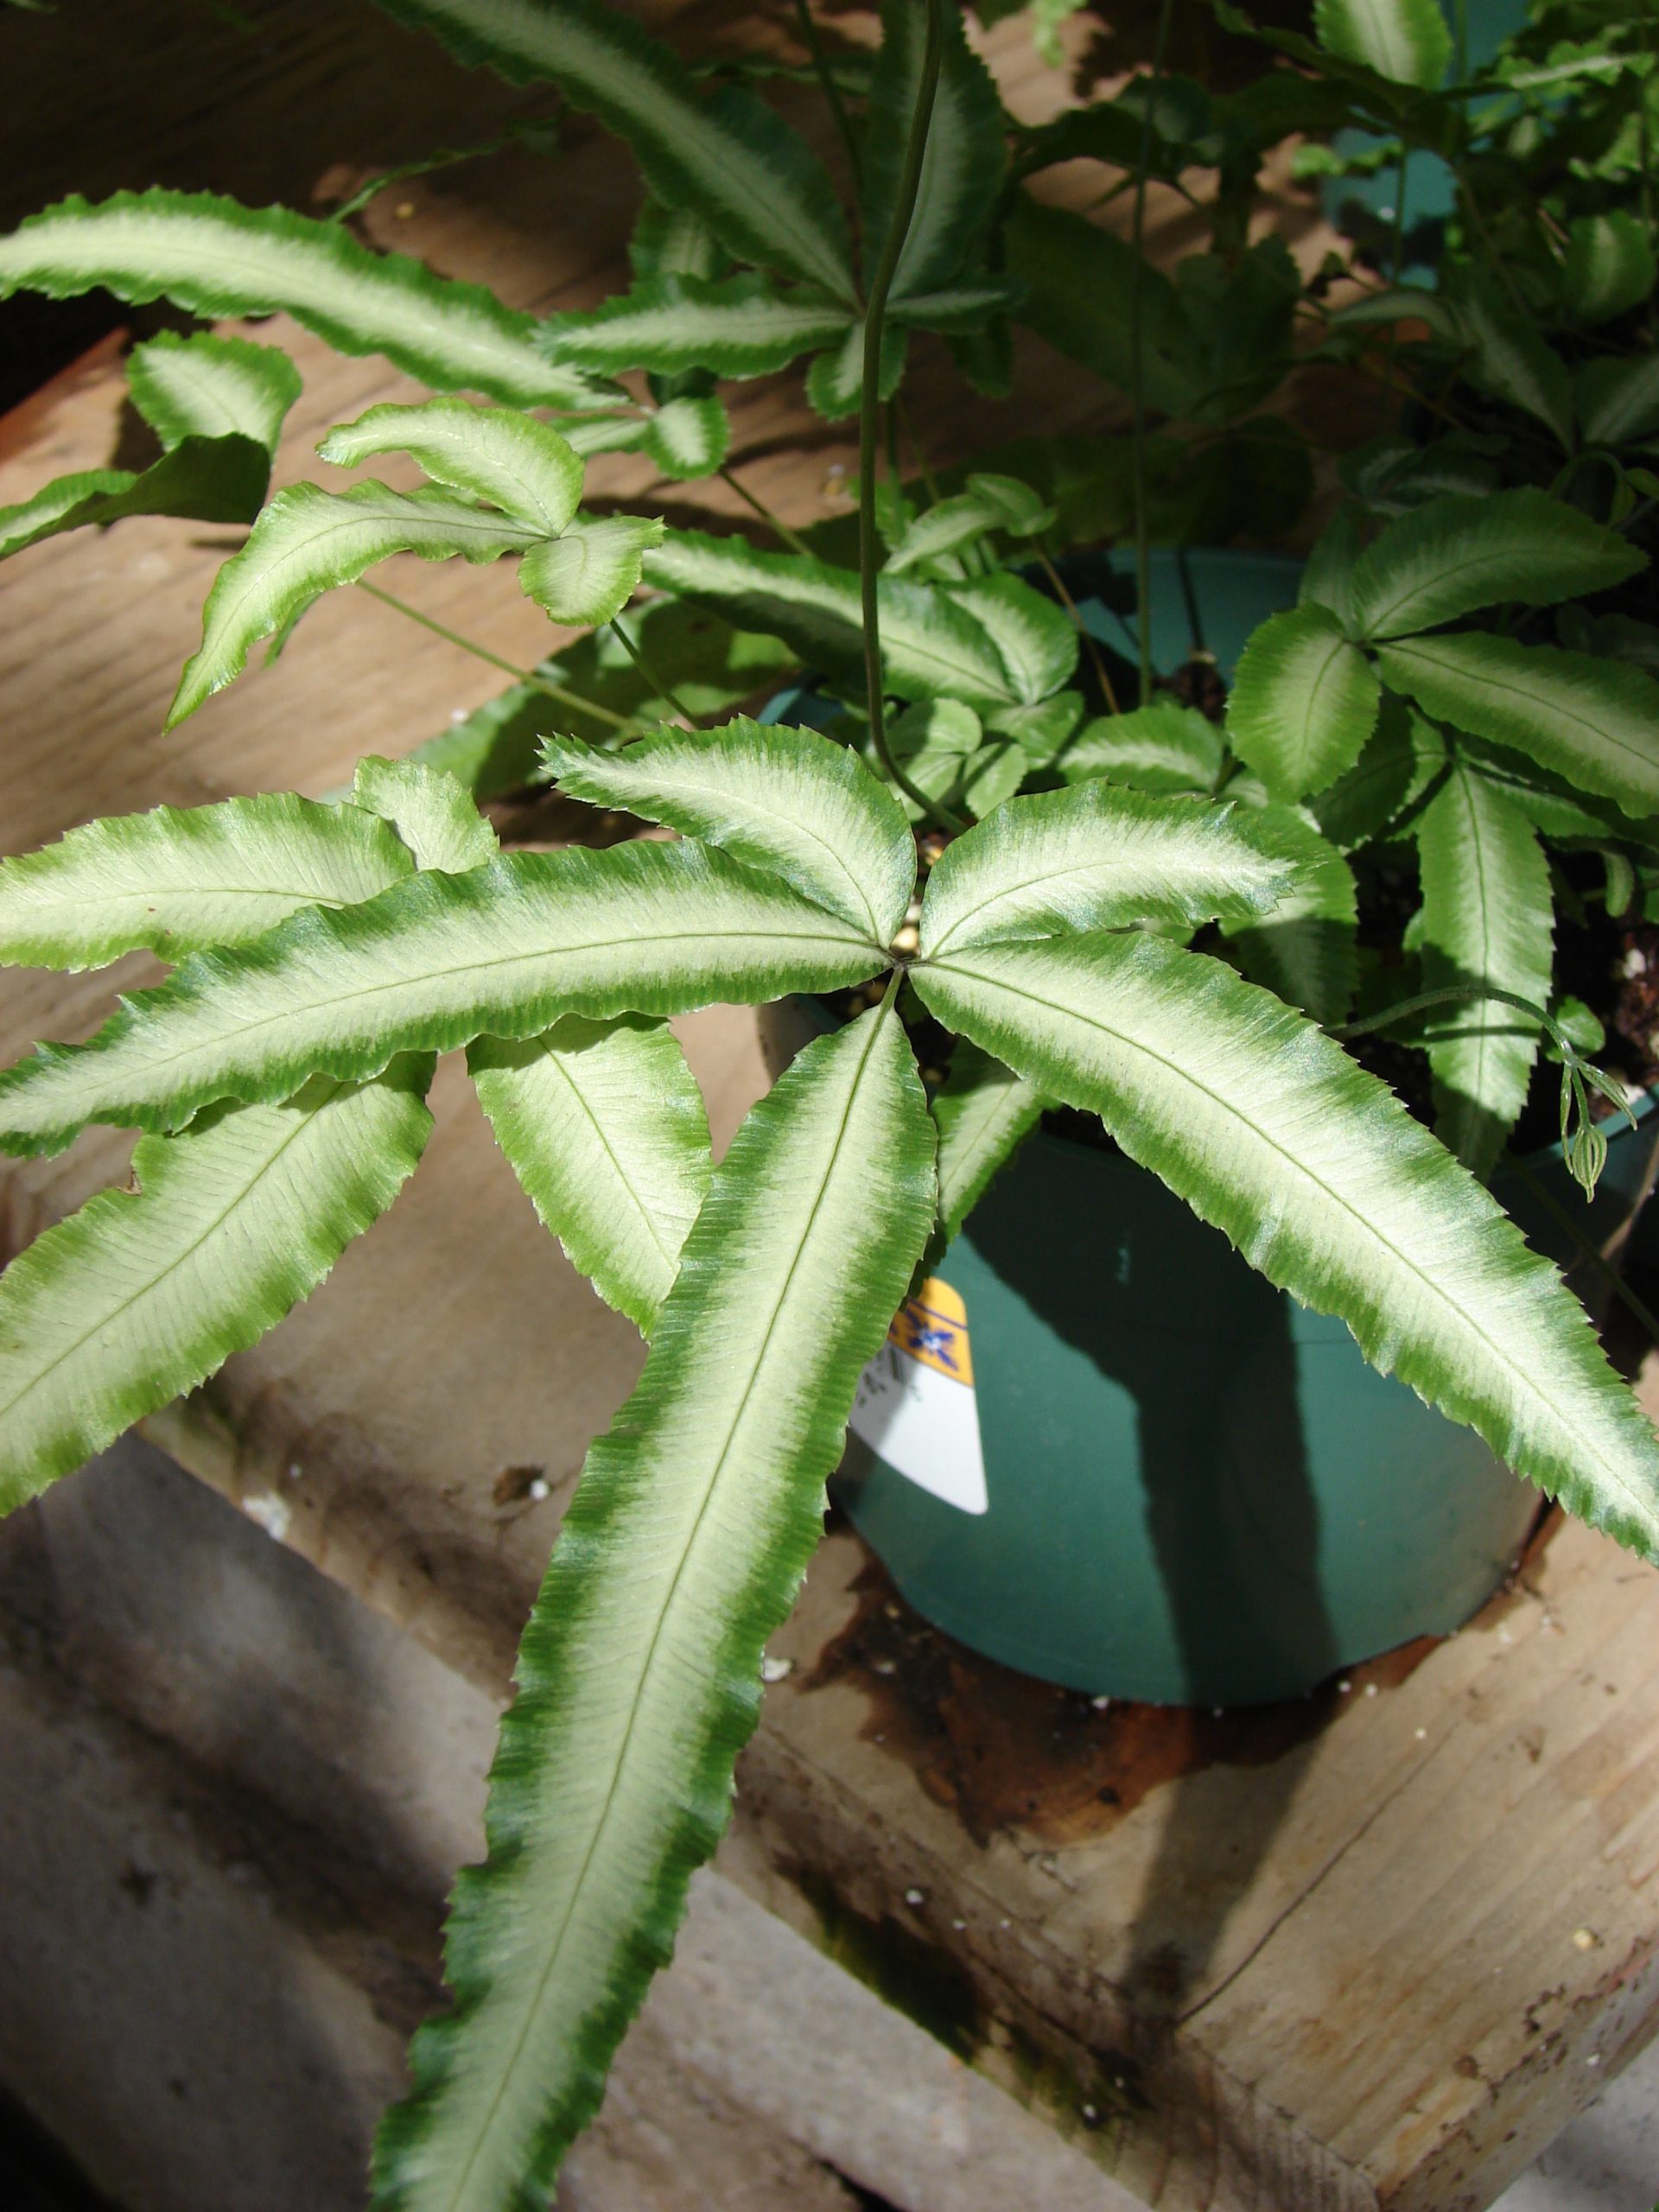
{"points": [[1373, 1953]]}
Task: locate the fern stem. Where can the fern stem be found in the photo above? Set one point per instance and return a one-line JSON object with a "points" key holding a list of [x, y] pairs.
{"points": [[779, 529], [869, 417], [657, 686], [1095, 658], [449, 159], [1137, 366], [1583, 1148], [510, 668], [1395, 249], [1449, 992]]}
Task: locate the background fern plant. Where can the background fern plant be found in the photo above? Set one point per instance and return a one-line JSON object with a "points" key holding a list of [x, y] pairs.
{"points": [[1089, 940]]}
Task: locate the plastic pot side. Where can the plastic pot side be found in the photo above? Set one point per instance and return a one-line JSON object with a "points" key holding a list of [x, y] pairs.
{"points": [[1195, 1490]]}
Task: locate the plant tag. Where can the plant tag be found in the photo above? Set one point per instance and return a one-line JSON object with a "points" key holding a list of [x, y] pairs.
{"points": [[916, 1405]]}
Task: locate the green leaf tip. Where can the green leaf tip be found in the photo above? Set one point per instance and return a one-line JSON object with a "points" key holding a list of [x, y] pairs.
{"points": [[640, 1674], [145, 1293], [215, 257]]}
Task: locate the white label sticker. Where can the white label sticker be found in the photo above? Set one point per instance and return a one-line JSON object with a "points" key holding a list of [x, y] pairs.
{"points": [[916, 1405]]}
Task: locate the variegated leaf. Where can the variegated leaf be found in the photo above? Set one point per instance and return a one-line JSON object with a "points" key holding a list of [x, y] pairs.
{"points": [[217, 257], [1328, 1185], [738, 326], [496, 453], [438, 960], [176, 881], [640, 1674], [604, 1125], [146, 1292], [728, 156], [307, 542], [589, 575], [785, 801]]}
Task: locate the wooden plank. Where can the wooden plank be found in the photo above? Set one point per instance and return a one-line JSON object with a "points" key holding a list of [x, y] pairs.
{"points": [[1361, 1955]]}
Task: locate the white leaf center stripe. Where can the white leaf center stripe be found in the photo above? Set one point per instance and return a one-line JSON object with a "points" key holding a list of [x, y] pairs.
{"points": [[1137, 857], [505, 962], [1641, 1505], [795, 826], [446, 521], [146, 1291], [593, 64], [646, 1213], [177, 1260], [1042, 879], [199, 247], [745, 1404], [1598, 731]]}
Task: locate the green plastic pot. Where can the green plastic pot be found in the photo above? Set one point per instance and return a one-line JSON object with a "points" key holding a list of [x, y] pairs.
{"points": [[1197, 1490]]}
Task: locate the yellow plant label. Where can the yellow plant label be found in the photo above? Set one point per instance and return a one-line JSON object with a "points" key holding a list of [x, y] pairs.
{"points": [[916, 1406]]}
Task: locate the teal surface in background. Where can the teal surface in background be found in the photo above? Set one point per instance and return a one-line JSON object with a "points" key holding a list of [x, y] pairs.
{"points": [[1200, 597], [1365, 206]]}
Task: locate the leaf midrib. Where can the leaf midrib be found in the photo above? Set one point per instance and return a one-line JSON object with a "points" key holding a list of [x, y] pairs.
{"points": [[1643, 1508], [1400, 64], [667, 783], [999, 1101], [242, 259], [1473, 1111], [1490, 1036], [181, 1258], [1423, 648], [1052, 876], [757, 322], [1309, 750], [264, 580], [173, 891], [600, 1823], [556, 1060], [73, 1057], [1497, 557], [206, 395], [640, 93]]}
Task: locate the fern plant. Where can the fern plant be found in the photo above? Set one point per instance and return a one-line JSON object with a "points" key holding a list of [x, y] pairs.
{"points": [[1079, 934]]}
